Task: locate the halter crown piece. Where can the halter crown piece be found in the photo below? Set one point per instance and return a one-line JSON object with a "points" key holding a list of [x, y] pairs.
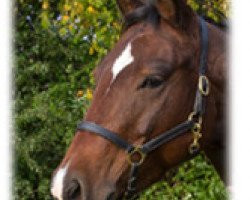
{"points": [[193, 123]]}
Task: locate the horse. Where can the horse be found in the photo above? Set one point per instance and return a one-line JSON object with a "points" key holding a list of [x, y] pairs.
{"points": [[160, 98]]}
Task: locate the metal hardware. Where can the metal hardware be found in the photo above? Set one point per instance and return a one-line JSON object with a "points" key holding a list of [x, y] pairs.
{"points": [[203, 81], [192, 117], [194, 148], [196, 128], [136, 151], [197, 135]]}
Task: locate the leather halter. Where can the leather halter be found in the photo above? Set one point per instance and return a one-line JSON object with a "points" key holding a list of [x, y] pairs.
{"points": [[193, 122]]}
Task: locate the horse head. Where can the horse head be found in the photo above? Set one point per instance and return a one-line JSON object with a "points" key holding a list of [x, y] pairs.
{"points": [[146, 85]]}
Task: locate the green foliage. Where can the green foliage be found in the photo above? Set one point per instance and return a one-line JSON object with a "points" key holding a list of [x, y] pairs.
{"points": [[195, 179], [57, 46], [216, 10]]}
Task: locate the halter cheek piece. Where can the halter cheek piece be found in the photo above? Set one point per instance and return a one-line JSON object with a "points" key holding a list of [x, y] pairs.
{"points": [[193, 123]]}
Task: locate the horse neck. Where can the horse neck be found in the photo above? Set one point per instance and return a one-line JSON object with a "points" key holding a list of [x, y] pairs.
{"points": [[217, 72], [217, 69]]}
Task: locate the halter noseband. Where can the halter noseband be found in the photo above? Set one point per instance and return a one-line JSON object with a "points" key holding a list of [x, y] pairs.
{"points": [[193, 123]]}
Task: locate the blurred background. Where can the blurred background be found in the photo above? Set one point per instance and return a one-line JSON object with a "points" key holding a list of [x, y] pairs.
{"points": [[57, 44]]}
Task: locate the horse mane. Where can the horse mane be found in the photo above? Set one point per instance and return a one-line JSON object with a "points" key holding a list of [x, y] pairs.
{"points": [[147, 13]]}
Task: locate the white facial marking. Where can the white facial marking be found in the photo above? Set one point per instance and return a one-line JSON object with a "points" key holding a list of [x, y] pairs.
{"points": [[122, 61], [57, 183]]}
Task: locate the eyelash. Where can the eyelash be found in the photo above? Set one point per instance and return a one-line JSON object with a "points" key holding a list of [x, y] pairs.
{"points": [[151, 82]]}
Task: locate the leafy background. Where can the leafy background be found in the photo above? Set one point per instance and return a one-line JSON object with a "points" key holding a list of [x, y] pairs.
{"points": [[57, 45]]}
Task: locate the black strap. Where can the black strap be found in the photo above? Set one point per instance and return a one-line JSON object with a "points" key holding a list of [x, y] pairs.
{"points": [[199, 105], [131, 188], [167, 136], [107, 134], [147, 147], [203, 46]]}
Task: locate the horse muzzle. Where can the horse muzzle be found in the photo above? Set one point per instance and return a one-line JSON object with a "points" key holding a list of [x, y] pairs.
{"points": [[70, 187]]}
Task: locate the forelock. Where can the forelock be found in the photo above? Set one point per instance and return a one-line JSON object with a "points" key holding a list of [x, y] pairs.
{"points": [[147, 13]]}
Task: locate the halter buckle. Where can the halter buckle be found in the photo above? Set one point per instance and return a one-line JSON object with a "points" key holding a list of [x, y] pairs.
{"points": [[136, 152], [193, 117], [204, 85]]}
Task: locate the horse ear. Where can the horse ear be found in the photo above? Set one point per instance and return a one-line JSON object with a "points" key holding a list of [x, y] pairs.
{"points": [[166, 8], [175, 11], [127, 6]]}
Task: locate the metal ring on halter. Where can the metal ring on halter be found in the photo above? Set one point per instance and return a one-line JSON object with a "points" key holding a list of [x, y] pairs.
{"points": [[194, 148], [136, 151], [192, 116], [203, 85]]}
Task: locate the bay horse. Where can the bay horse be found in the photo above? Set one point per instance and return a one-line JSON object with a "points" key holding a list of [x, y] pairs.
{"points": [[159, 99]]}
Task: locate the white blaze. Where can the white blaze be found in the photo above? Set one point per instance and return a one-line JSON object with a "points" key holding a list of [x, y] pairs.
{"points": [[122, 61], [57, 183]]}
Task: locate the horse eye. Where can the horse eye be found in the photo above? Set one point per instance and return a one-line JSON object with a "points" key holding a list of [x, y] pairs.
{"points": [[151, 82]]}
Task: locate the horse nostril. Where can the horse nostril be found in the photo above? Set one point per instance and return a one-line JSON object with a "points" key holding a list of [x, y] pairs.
{"points": [[111, 196], [74, 190]]}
